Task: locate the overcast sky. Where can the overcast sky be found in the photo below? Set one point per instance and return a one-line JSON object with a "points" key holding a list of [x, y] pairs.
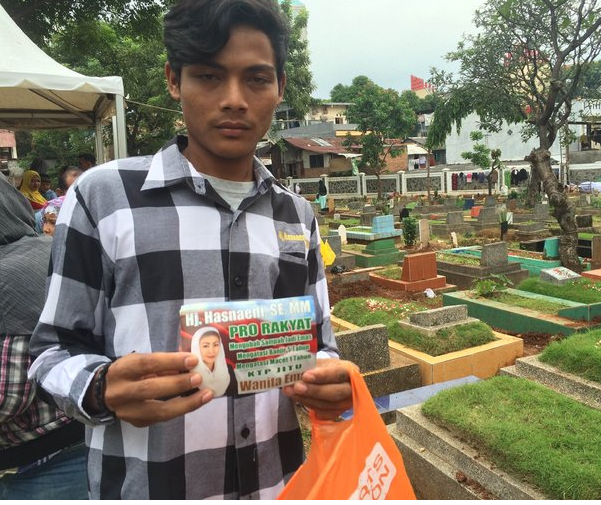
{"points": [[385, 40]]}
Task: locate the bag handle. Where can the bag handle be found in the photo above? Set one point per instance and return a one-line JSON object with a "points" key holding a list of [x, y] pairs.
{"points": [[360, 393]]}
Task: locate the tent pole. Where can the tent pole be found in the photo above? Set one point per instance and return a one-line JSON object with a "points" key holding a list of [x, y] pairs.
{"points": [[119, 132], [98, 139]]}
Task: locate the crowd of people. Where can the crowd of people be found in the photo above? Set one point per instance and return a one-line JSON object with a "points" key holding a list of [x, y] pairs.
{"points": [[134, 240]]}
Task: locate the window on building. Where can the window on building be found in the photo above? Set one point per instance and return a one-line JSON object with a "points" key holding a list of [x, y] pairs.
{"points": [[316, 160], [339, 120]]}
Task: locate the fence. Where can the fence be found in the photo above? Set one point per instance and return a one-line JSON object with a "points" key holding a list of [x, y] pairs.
{"points": [[406, 183]]}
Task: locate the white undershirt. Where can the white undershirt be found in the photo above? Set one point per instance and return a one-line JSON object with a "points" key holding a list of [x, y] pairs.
{"points": [[233, 192]]}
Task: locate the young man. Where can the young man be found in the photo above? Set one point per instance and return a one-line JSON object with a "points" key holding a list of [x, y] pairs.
{"points": [[201, 220], [45, 188]]}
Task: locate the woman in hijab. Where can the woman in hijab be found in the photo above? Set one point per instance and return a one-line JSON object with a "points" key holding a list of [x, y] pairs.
{"points": [[207, 345], [30, 186]]}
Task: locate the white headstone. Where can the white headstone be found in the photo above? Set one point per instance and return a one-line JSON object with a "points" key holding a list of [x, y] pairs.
{"points": [[424, 232], [454, 239], [558, 275], [510, 218], [342, 234], [336, 217]]}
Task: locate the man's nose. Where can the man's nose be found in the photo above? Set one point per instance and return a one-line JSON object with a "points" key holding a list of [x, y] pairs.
{"points": [[234, 95]]}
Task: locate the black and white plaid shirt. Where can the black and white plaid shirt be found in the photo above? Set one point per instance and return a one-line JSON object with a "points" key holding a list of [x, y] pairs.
{"points": [[136, 239]]}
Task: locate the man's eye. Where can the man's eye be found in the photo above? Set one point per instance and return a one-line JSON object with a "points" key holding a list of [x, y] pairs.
{"points": [[206, 77]]}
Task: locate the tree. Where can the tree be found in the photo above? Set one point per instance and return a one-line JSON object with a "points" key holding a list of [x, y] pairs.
{"points": [[484, 157], [299, 79], [526, 65], [347, 94], [40, 19], [382, 117]]}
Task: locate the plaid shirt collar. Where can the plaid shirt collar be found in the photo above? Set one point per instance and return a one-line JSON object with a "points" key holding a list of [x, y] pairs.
{"points": [[169, 167]]}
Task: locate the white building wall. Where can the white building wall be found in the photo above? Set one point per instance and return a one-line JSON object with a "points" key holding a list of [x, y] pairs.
{"points": [[508, 140]]}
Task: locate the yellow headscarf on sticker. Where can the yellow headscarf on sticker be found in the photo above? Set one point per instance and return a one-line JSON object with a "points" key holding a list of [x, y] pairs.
{"points": [[327, 253]]}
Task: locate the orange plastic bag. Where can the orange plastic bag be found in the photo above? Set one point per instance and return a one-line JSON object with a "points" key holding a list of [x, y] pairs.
{"points": [[354, 459]]}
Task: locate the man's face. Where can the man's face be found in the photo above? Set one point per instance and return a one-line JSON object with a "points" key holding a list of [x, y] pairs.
{"points": [[44, 186], [228, 103]]}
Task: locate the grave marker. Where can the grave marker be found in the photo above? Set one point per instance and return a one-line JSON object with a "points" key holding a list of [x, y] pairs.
{"points": [[558, 275], [454, 239], [596, 252], [424, 232], [494, 255], [342, 234], [455, 217]]}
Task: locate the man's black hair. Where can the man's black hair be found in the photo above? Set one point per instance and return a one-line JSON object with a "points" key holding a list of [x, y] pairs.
{"points": [[62, 179], [45, 178], [88, 157], [195, 31]]}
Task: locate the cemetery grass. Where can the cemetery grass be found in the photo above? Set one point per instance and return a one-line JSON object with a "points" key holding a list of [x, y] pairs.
{"points": [[369, 311], [579, 354], [528, 430], [580, 290], [544, 306], [393, 272], [460, 259], [456, 338]]}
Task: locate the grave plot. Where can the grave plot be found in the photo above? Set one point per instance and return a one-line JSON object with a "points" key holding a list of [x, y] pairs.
{"points": [[530, 260], [444, 342], [519, 311], [449, 345], [418, 273], [463, 270], [380, 242], [454, 222], [504, 438]]}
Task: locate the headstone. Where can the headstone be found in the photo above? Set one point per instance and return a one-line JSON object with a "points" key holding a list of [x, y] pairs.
{"points": [[368, 209], [558, 275], [424, 232], [331, 205], [382, 224], [584, 221], [335, 244], [551, 248], [541, 211], [596, 252], [366, 218], [336, 216], [488, 215], [342, 234], [437, 317], [454, 239], [490, 201], [455, 217], [509, 217], [585, 200], [494, 255]]}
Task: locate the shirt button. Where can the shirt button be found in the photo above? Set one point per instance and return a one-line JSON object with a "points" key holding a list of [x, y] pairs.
{"points": [[238, 281], [245, 432]]}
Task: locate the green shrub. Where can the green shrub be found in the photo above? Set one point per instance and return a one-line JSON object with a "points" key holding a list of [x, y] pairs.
{"points": [[410, 230], [488, 287]]}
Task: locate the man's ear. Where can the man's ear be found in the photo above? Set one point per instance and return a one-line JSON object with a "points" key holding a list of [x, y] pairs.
{"points": [[281, 88], [172, 82]]}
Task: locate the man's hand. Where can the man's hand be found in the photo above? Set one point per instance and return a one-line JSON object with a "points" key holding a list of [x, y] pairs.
{"points": [[136, 382], [325, 389]]}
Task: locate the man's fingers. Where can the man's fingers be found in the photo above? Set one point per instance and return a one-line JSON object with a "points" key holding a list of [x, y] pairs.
{"points": [[135, 366], [153, 411], [151, 388]]}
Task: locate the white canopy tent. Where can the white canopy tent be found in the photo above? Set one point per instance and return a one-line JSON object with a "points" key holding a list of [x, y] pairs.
{"points": [[37, 92]]}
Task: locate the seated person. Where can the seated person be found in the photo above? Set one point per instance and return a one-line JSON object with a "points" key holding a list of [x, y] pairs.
{"points": [[45, 189], [30, 187]]}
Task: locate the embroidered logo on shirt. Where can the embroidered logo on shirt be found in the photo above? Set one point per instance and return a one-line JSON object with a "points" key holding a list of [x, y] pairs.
{"points": [[287, 237]]}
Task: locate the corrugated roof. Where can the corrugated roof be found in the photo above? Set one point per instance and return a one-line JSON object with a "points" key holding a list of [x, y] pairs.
{"points": [[314, 145]]}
